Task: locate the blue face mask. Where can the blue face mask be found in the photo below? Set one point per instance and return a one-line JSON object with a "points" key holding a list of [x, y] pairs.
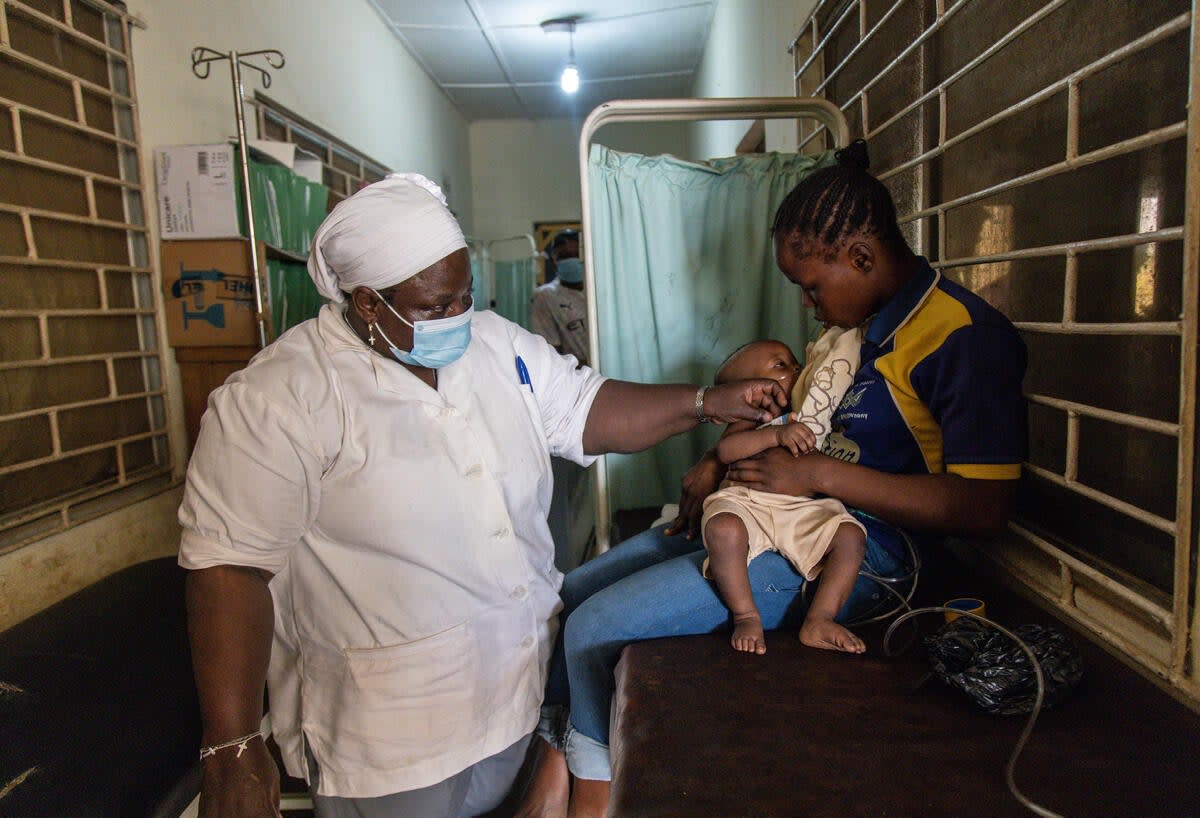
{"points": [[570, 270], [436, 343]]}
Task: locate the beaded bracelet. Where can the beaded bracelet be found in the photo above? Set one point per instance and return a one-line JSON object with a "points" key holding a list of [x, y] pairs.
{"points": [[242, 743]]}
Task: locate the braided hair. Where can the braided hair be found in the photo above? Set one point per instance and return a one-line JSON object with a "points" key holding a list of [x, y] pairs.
{"points": [[838, 202]]}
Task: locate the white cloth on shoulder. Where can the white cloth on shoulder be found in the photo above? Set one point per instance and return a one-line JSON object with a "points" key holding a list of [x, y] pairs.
{"points": [[832, 363]]}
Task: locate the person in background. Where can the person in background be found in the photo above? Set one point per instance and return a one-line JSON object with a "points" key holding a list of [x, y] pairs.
{"points": [[928, 440], [364, 523], [558, 311]]}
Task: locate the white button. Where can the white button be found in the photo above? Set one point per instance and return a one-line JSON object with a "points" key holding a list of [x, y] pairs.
{"points": [[527, 641], [519, 592], [474, 471]]}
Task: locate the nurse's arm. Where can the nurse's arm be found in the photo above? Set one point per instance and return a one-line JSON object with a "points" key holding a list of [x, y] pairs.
{"points": [[230, 622], [630, 417]]}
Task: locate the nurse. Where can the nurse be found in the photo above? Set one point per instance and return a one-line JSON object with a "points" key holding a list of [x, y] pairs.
{"points": [[365, 525]]}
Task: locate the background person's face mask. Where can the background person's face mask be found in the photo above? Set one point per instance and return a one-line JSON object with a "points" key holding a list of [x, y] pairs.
{"points": [[436, 343], [570, 270]]}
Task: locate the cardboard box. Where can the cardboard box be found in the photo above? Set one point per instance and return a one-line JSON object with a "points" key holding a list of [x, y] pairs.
{"points": [[197, 191], [209, 292]]}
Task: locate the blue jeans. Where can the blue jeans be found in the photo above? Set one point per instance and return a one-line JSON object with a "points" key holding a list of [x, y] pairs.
{"points": [[651, 586]]}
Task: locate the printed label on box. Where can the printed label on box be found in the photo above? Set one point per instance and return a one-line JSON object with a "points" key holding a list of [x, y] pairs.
{"points": [[197, 195]]}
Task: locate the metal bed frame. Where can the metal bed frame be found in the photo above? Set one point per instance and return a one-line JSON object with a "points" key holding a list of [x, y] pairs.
{"points": [[673, 110]]}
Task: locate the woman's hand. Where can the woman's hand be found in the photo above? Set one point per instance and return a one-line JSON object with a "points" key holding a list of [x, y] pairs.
{"points": [[780, 472], [700, 481], [246, 787], [758, 399]]}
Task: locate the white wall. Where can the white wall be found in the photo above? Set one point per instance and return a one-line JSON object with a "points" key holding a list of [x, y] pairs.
{"points": [[345, 72], [747, 56], [38, 575], [525, 171]]}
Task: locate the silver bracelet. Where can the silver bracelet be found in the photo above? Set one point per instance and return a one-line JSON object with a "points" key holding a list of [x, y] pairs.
{"points": [[700, 416], [242, 743]]}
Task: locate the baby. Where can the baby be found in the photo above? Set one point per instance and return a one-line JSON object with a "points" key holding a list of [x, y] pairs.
{"points": [[817, 536]]}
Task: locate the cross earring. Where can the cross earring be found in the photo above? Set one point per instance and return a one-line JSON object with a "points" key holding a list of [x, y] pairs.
{"points": [[371, 333]]}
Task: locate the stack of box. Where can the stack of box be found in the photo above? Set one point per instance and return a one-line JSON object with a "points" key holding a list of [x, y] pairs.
{"points": [[206, 265]]}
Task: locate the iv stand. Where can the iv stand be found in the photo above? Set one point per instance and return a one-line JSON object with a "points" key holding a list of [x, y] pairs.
{"points": [[202, 57]]}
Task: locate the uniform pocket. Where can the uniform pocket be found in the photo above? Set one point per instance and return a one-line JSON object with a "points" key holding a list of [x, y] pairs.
{"points": [[394, 706]]}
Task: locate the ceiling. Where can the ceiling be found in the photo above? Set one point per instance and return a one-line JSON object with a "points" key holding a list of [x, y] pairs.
{"points": [[493, 60]]}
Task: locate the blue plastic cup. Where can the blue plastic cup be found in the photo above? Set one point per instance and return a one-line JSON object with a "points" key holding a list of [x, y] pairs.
{"points": [[969, 604]]}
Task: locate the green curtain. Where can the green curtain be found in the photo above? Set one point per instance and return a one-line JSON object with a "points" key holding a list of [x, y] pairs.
{"points": [[480, 294], [685, 273], [514, 289]]}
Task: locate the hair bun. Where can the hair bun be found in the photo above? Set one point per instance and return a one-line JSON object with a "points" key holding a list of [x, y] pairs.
{"points": [[854, 155]]}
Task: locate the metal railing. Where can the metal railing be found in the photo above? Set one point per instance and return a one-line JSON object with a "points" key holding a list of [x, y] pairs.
{"points": [[672, 110], [1156, 629]]}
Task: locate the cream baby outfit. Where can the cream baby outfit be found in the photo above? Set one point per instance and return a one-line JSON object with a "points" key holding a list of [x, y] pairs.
{"points": [[799, 528]]}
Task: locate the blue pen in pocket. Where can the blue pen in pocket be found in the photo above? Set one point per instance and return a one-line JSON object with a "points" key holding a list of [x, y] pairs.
{"points": [[523, 373]]}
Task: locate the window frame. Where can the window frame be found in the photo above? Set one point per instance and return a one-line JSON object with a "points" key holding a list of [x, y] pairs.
{"points": [[1160, 634], [41, 518]]}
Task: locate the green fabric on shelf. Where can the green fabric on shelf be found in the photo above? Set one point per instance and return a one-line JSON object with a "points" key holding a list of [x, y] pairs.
{"points": [[315, 202], [294, 298], [266, 205], [288, 208]]}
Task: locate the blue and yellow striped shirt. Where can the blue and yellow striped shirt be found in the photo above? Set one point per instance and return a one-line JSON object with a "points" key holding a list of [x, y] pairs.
{"points": [[938, 388]]}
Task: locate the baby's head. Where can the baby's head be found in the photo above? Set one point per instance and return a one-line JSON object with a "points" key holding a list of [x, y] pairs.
{"points": [[761, 359]]}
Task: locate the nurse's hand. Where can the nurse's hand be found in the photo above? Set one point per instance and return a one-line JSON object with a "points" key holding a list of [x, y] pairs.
{"points": [[700, 481], [246, 787], [779, 471], [757, 399]]}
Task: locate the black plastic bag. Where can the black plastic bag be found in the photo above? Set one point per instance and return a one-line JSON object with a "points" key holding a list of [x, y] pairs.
{"points": [[993, 671]]}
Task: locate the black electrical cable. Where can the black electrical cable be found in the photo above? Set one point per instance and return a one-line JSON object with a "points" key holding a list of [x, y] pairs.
{"points": [[1037, 703]]}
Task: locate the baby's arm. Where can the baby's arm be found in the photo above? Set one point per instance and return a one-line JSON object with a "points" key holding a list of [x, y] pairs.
{"points": [[738, 444]]}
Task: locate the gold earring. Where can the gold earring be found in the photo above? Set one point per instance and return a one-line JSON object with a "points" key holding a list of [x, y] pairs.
{"points": [[371, 333]]}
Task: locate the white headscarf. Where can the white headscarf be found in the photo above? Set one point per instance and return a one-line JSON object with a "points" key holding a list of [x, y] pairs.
{"points": [[384, 234]]}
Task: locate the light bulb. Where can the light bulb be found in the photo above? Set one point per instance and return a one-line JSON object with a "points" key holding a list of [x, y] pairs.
{"points": [[570, 78]]}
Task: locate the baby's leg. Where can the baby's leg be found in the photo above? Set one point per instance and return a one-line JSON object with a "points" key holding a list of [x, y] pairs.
{"points": [[842, 562], [728, 543]]}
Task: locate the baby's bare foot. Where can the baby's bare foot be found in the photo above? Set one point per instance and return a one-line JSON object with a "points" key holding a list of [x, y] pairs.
{"points": [[829, 635], [748, 634]]}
